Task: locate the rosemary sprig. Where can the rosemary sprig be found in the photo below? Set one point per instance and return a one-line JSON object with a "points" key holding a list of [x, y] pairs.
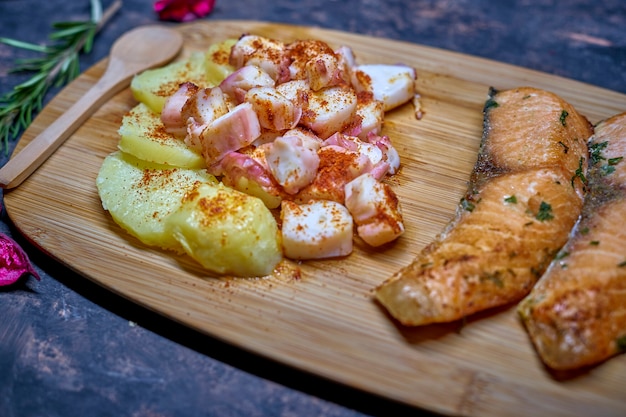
{"points": [[58, 66]]}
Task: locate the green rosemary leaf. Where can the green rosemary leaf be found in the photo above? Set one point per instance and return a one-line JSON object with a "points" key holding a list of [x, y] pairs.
{"points": [[37, 78], [23, 45], [89, 42], [58, 66], [71, 24], [77, 30], [26, 65]]}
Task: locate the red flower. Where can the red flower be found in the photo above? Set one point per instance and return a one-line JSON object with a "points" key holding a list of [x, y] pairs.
{"points": [[13, 261], [183, 10]]}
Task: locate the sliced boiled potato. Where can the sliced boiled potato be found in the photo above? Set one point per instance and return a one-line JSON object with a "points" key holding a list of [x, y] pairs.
{"points": [[140, 195], [250, 187], [217, 66], [205, 69], [227, 232], [143, 135], [152, 87]]}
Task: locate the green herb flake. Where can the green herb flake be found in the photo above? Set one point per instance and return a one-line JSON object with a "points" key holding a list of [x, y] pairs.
{"points": [[545, 212], [594, 242], [563, 116], [580, 173], [609, 168], [467, 205], [622, 264], [491, 104], [584, 231], [512, 199], [595, 152]]}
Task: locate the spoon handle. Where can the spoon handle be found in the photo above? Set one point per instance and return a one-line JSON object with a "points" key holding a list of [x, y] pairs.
{"points": [[20, 166]]}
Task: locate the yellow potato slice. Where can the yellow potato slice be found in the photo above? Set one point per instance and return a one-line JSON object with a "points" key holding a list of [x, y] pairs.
{"points": [[217, 66], [154, 86], [140, 195], [205, 69], [227, 231], [143, 136]]}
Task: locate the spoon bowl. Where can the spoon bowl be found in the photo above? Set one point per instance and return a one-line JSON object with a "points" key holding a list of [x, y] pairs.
{"points": [[136, 51], [145, 47]]}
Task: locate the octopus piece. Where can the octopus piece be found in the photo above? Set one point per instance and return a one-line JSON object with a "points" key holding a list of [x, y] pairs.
{"points": [[329, 110], [237, 84], [274, 110], [172, 112], [292, 163], [315, 230], [267, 54], [375, 209], [392, 85], [236, 129]]}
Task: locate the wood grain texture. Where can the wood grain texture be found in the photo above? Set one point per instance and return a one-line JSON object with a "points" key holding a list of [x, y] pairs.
{"points": [[326, 321]]}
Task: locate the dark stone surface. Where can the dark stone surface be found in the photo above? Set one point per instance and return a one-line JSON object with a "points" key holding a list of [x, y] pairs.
{"points": [[69, 348]]}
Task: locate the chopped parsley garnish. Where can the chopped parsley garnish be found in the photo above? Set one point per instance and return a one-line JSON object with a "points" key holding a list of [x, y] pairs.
{"points": [[580, 174], [594, 242], [510, 199], [467, 205], [545, 212], [563, 116], [595, 152], [609, 168], [491, 104]]}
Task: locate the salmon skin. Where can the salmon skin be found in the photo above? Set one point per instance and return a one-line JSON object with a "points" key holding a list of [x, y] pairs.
{"points": [[576, 314], [524, 196]]}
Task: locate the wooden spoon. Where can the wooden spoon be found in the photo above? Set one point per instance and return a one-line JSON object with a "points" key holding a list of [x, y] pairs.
{"points": [[135, 51]]}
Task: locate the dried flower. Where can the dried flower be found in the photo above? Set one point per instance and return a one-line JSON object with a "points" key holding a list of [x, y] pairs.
{"points": [[14, 262], [183, 10]]}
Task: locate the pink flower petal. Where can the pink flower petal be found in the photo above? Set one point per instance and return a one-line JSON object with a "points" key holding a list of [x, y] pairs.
{"points": [[14, 262], [183, 10]]}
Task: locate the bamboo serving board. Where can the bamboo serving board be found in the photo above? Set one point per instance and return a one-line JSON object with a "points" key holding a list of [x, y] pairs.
{"points": [[320, 317]]}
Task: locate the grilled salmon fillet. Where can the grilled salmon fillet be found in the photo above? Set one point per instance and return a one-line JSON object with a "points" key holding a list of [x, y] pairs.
{"points": [[576, 314], [524, 197]]}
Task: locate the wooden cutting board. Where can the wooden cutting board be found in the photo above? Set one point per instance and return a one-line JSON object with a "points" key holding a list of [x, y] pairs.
{"points": [[325, 321]]}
